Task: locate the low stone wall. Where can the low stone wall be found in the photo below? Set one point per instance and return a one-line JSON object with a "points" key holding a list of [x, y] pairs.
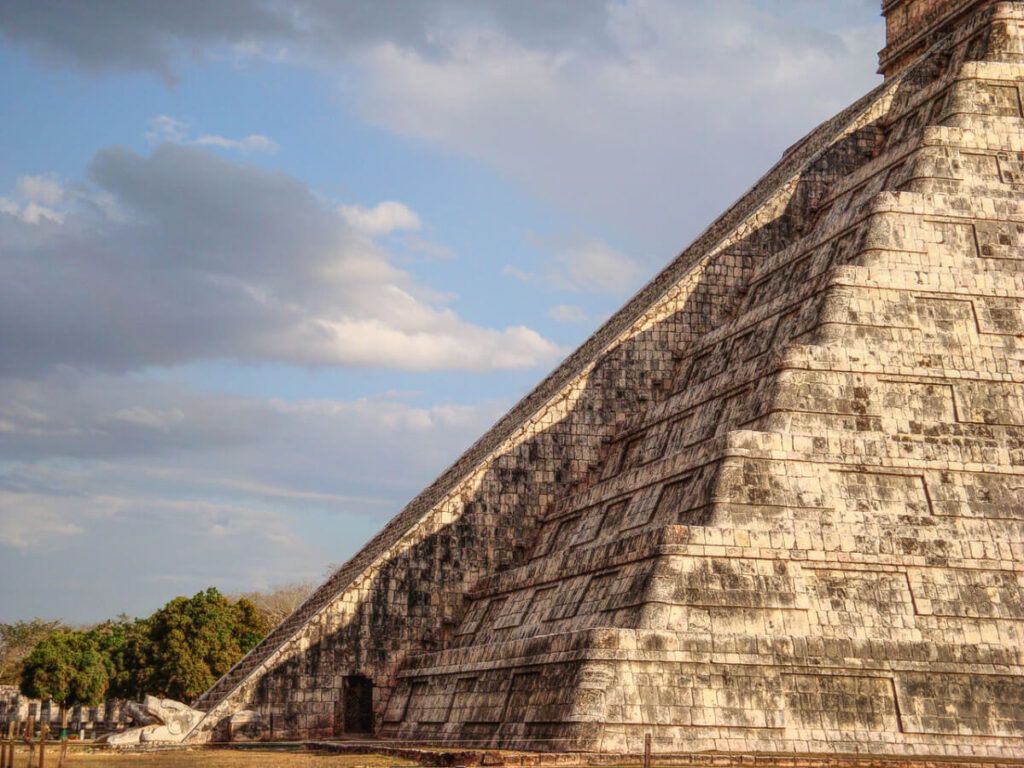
{"points": [[93, 721]]}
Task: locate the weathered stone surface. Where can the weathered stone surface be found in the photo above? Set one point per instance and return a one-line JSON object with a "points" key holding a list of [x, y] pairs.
{"points": [[168, 721], [773, 505]]}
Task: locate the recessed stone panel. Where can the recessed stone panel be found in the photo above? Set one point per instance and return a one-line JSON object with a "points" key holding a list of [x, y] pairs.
{"points": [[957, 239], [946, 320], [913, 400], [968, 593], [992, 495], [836, 702], [872, 493], [848, 603], [740, 583], [961, 704], [990, 402]]}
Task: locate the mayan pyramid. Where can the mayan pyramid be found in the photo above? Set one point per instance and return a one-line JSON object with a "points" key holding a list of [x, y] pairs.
{"points": [[775, 504]]}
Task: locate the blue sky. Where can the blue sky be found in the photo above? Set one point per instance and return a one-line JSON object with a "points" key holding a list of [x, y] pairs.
{"points": [[268, 267]]}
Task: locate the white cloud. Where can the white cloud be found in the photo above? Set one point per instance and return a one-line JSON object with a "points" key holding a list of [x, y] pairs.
{"points": [[154, 38], [252, 49], [567, 313], [33, 200], [594, 267], [40, 189], [254, 142], [384, 218], [212, 259], [589, 266], [450, 344], [165, 434], [30, 213]]}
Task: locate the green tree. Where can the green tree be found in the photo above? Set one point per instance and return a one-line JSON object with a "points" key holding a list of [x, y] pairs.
{"points": [[68, 667], [178, 652], [193, 641], [126, 648]]}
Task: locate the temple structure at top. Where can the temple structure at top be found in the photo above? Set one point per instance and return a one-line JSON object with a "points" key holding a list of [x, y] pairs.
{"points": [[775, 504]]}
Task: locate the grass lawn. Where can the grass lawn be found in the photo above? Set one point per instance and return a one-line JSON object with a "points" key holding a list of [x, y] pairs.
{"points": [[209, 758]]}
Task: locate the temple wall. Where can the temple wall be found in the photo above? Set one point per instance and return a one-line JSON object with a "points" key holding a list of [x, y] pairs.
{"points": [[814, 543]]}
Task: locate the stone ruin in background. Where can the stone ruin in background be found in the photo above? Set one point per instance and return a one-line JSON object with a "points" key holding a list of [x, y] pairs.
{"points": [[85, 721]]}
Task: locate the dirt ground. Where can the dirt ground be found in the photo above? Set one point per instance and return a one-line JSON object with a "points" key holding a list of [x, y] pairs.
{"points": [[209, 758]]}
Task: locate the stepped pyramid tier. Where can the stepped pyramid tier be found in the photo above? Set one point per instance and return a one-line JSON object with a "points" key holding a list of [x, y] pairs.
{"points": [[775, 504]]}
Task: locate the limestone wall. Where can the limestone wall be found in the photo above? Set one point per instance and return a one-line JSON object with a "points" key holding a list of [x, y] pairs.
{"points": [[815, 542]]}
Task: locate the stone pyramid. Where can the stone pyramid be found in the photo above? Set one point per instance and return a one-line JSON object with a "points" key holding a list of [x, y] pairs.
{"points": [[775, 504]]}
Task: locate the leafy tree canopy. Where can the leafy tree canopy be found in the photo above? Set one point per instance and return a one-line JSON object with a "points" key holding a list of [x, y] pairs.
{"points": [[193, 641], [68, 667], [178, 652]]}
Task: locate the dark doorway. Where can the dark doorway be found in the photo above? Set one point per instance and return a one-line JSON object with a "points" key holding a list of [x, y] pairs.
{"points": [[358, 695]]}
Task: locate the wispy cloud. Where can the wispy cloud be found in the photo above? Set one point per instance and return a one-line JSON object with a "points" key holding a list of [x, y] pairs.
{"points": [[46, 190], [516, 273], [384, 218], [224, 488], [594, 267], [588, 266], [254, 142], [567, 313], [164, 128], [31, 521]]}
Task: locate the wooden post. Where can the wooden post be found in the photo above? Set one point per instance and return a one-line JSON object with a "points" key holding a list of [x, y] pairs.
{"points": [[647, 750], [43, 730], [30, 731], [64, 736], [13, 742]]}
